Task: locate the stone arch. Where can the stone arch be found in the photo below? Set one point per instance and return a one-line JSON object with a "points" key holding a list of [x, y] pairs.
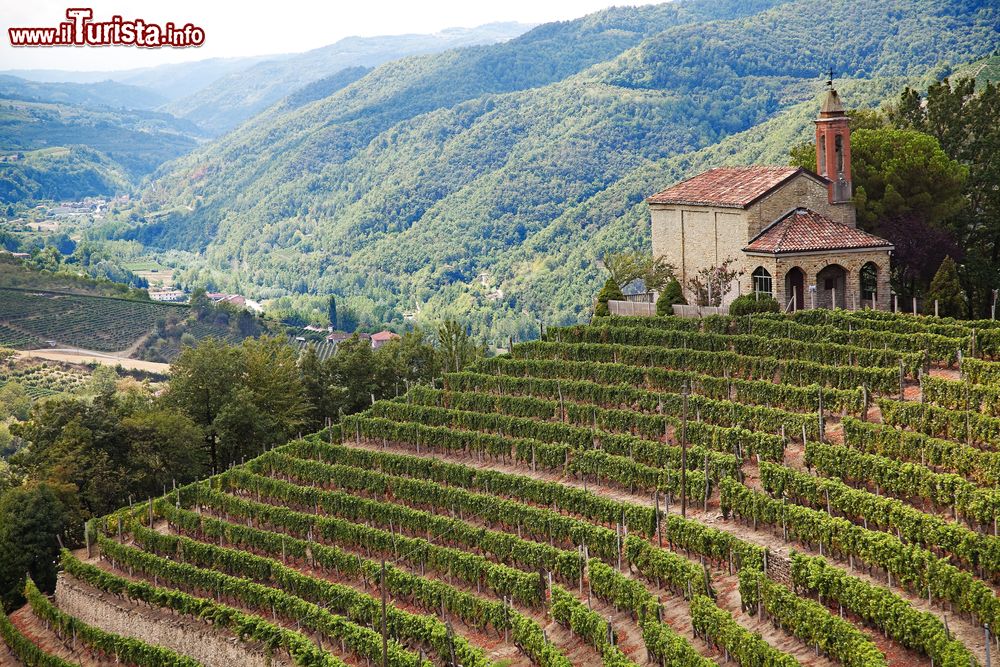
{"points": [[795, 285], [868, 278], [831, 286], [761, 281]]}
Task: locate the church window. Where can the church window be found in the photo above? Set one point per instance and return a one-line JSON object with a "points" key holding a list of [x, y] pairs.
{"points": [[822, 156], [839, 142], [869, 281], [761, 281]]}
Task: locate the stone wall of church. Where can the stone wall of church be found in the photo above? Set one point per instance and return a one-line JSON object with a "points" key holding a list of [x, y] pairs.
{"points": [[695, 237], [800, 192]]}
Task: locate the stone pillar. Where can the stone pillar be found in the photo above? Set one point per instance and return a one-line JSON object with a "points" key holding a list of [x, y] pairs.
{"points": [[852, 287], [780, 293], [884, 297]]}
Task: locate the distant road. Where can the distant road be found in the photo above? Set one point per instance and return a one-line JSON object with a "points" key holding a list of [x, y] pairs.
{"points": [[77, 356]]}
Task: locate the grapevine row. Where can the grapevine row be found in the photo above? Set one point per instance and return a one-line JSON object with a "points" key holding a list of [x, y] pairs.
{"points": [[525, 587], [24, 649], [718, 363], [940, 348], [619, 467], [518, 516], [809, 621], [906, 480], [475, 415], [882, 608], [588, 626], [248, 627], [363, 608], [825, 353], [124, 649], [506, 548], [716, 437], [977, 371], [977, 551], [971, 427], [663, 644], [718, 545], [958, 395], [980, 466], [430, 594], [912, 566], [762, 392], [720, 412]]}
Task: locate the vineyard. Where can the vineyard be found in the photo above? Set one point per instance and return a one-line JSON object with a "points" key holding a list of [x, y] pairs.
{"points": [[44, 379], [31, 319], [818, 489]]}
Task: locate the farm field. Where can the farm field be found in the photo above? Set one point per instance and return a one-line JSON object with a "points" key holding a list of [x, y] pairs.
{"points": [[819, 489], [157, 275], [35, 319]]}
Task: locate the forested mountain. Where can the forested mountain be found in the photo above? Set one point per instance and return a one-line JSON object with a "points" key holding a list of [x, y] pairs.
{"points": [[242, 94], [171, 81], [99, 93], [71, 150], [525, 161]]}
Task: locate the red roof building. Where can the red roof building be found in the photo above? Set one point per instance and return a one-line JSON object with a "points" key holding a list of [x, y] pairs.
{"points": [[789, 232], [381, 338]]}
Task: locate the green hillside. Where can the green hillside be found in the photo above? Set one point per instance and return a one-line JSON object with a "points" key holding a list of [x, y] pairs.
{"points": [[99, 93], [73, 149], [240, 95], [526, 160], [59, 173], [40, 309]]}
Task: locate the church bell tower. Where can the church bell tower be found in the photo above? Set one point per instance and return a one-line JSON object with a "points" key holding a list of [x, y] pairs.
{"points": [[833, 150]]}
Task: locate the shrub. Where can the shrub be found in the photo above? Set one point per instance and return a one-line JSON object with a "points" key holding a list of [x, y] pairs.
{"points": [[608, 292], [672, 294], [754, 303]]}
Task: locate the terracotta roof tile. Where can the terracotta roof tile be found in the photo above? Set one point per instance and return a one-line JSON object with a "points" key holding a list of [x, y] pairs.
{"points": [[734, 187], [804, 230]]}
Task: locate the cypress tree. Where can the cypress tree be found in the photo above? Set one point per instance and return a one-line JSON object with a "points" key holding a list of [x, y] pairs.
{"points": [[947, 290], [672, 294], [608, 292]]}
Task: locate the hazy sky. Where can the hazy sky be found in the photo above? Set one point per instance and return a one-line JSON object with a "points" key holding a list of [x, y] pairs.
{"points": [[253, 27]]}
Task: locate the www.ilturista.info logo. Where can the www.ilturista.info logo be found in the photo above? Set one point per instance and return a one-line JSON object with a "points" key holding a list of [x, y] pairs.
{"points": [[81, 30]]}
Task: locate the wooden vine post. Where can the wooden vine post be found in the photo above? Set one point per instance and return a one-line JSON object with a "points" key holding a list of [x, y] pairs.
{"points": [[822, 425], [385, 637], [684, 418]]}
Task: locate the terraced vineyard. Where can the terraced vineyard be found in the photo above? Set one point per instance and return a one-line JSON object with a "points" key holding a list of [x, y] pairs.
{"points": [[815, 490], [30, 319]]}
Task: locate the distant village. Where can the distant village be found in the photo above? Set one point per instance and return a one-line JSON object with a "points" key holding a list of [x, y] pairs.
{"points": [[92, 206]]}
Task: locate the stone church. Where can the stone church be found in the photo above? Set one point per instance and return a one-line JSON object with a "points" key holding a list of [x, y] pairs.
{"points": [[791, 231]]}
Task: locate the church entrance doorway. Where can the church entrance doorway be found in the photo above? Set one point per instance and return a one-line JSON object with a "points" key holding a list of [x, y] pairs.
{"points": [[831, 287], [795, 281]]}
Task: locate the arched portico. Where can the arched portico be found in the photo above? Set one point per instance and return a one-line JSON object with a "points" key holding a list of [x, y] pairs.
{"points": [[831, 287], [795, 286], [868, 279]]}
